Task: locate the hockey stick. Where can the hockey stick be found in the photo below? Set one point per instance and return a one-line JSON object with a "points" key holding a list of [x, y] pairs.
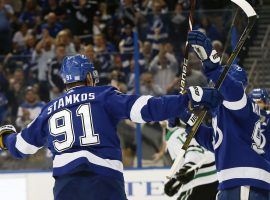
{"points": [[228, 38], [185, 62], [252, 16]]}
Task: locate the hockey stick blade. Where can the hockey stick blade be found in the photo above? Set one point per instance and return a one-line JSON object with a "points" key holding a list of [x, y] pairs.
{"points": [[252, 16]]}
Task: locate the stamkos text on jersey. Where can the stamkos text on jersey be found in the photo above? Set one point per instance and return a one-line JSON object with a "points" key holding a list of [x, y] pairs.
{"points": [[183, 77], [70, 99]]}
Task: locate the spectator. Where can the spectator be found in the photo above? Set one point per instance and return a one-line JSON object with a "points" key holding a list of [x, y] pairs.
{"points": [[126, 43], [169, 48], [31, 13], [64, 37], [149, 4], [152, 139], [98, 26], [30, 41], [30, 109], [105, 17], [3, 79], [218, 46], [128, 12], [164, 66], [18, 77], [19, 38], [53, 7], [117, 64], [126, 132], [3, 107], [179, 26], [147, 52], [117, 77], [26, 56], [52, 25], [3, 97], [89, 52], [211, 30], [80, 16], [130, 77], [112, 35], [16, 91], [44, 51], [148, 87], [194, 76], [5, 34], [102, 51], [54, 77], [126, 46], [157, 34], [16, 5]]}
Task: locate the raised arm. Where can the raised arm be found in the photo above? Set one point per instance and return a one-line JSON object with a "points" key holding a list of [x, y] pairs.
{"points": [[141, 109], [233, 87]]}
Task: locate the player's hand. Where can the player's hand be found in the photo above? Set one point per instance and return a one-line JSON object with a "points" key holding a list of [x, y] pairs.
{"points": [[4, 130], [172, 187], [207, 97], [203, 48], [185, 175], [188, 118]]}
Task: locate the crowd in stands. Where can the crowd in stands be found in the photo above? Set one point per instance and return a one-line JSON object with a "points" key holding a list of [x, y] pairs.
{"points": [[35, 35]]}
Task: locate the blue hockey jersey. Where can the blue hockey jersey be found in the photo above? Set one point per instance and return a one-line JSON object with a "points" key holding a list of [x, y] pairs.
{"points": [[265, 126], [80, 128], [235, 138]]}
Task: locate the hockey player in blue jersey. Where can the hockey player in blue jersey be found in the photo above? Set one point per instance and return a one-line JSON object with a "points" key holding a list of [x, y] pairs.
{"points": [[234, 137], [261, 97], [79, 128]]}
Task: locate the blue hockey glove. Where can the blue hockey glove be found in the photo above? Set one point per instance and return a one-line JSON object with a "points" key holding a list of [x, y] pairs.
{"points": [[186, 117], [207, 97], [4, 130], [203, 48]]}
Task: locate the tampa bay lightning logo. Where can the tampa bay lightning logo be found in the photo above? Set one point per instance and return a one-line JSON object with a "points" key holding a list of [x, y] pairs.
{"points": [[218, 134], [259, 140]]}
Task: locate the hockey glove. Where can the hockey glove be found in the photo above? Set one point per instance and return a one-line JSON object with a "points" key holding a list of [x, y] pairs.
{"points": [[172, 187], [184, 175], [186, 117], [207, 97], [203, 48], [4, 130]]}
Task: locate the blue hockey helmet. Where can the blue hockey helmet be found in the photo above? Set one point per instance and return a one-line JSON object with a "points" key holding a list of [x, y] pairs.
{"points": [[259, 94], [75, 69], [239, 74]]}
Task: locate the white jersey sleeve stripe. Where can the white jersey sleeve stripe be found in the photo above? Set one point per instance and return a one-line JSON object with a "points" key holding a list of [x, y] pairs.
{"points": [[244, 172], [24, 147], [244, 192], [236, 105], [65, 158], [135, 113]]}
